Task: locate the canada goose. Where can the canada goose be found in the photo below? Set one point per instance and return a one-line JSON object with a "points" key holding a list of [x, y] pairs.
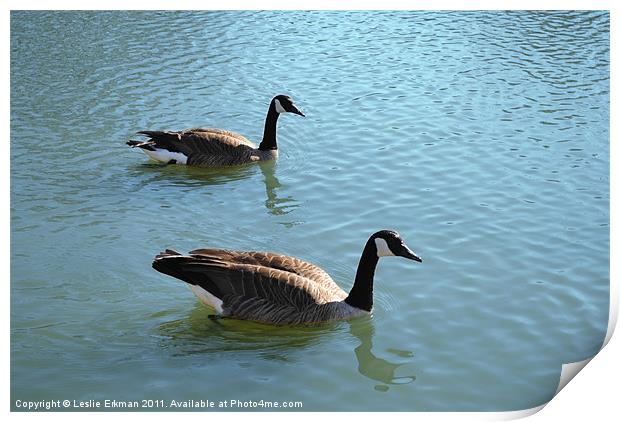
{"points": [[277, 289], [216, 147]]}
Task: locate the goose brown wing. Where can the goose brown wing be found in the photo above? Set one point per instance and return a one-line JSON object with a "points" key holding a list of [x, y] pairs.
{"points": [[202, 146], [284, 263], [219, 132], [241, 285]]}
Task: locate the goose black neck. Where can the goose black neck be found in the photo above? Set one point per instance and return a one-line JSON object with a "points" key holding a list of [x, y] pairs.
{"points": [[360, 295], [269, 134]]}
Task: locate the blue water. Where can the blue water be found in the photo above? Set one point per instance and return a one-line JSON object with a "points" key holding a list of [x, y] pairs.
{"points": [[482, 137]]}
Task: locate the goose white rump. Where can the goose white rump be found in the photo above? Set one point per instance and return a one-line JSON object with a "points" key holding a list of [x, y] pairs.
{"points": [[165, 156]]}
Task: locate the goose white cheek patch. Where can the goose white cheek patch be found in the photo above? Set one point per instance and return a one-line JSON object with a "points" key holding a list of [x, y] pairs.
{"points": [[382, 248], [279, 107]]}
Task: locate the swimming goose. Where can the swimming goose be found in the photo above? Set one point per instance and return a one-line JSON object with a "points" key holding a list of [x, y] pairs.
{"points": [[216, 147], [277, 289]]}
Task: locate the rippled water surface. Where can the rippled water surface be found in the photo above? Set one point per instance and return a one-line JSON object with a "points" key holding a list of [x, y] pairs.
{"points": [[482, 137]]}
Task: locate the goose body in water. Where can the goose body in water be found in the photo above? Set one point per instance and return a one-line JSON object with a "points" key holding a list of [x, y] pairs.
{"points": [[216, 147], [277, 289]]}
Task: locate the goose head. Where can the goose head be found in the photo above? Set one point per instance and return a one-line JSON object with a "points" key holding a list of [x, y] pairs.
{"points": [[389, 243], [284, 104]]}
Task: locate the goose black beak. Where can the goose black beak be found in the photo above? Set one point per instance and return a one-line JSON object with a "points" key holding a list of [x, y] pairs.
{"points": [[296, 110], [409, 254]]}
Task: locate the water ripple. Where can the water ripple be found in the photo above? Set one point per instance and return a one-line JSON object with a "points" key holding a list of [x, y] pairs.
{"points": [[483, 137]]}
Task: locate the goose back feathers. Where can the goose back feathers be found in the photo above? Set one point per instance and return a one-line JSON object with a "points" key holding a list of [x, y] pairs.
{"points": [[269, 287]]}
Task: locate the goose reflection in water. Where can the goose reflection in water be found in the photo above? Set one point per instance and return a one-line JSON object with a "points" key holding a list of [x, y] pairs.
{"points": [[372, 367], [196, 177], [274, 204], [200, 334]]}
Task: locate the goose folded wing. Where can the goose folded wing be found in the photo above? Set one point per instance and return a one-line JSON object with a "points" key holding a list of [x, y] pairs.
{"points": [[240, 284], [200, 142], [213, 131], [285, 263]]}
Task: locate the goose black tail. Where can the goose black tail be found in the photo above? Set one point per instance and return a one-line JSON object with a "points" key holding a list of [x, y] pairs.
{"points": [[159, 135], [141, 144], [171, 263], [184, 268]]}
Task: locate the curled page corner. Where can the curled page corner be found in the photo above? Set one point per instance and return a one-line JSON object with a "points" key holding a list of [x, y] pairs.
{"points": [[569, 370], [613, 314], [518, 414]]}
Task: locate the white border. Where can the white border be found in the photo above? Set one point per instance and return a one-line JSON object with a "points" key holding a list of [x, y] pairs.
{"points": [[307, 5], [589, 396]]}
